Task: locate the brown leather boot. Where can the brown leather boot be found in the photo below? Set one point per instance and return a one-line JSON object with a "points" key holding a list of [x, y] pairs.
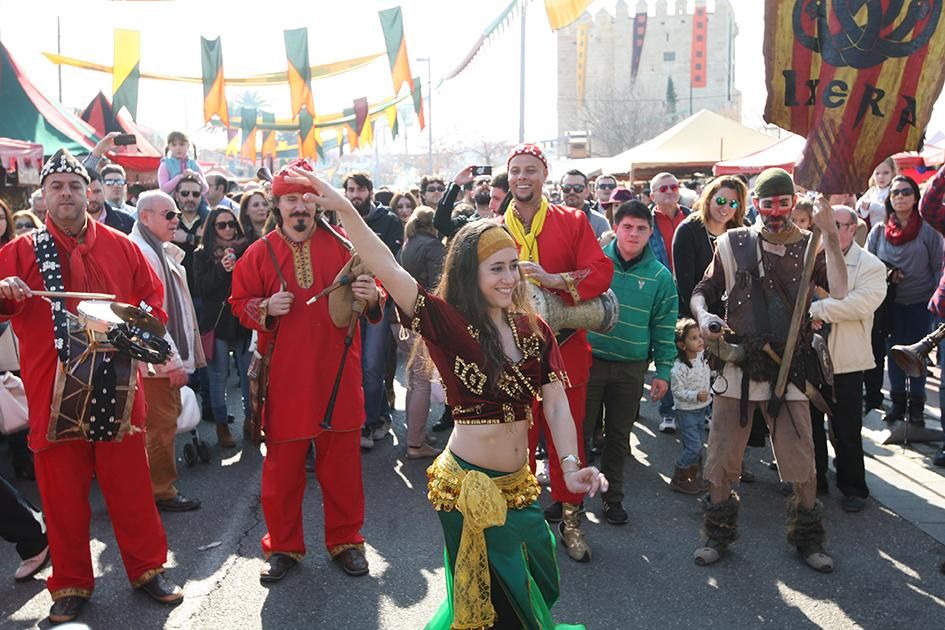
{"points": [[684, 480], [571, 535], [224, 437]]}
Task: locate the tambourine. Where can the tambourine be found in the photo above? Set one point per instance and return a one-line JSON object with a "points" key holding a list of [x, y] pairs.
{"points": [[128, 328]]}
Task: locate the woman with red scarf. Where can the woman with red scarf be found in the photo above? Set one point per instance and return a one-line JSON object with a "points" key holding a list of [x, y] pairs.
{"points": [[912, 251]]}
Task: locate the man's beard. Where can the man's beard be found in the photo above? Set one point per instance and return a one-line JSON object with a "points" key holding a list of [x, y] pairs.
{"points": [[482, 198], [775, 224], [363, 206], [298, 222], [524, 197], [94, 208]]}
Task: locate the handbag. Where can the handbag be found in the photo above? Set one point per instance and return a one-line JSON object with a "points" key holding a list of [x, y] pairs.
{"points": [[209, 339], [258, 374], [14, 416]]}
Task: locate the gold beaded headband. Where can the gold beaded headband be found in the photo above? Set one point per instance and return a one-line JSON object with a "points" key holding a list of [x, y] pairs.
{"points": [[493, 240]]}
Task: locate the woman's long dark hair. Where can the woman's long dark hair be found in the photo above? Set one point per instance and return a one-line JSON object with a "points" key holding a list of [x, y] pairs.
{"points": [[9, 233], [245, 221], [209, 238], [892, 186], [459, 285]]}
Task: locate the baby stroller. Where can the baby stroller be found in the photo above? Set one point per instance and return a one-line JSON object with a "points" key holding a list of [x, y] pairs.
{"points": [[196, 448]]}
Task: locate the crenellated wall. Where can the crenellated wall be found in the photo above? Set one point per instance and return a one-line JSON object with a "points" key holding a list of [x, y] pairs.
{"points": [[667, 52]]}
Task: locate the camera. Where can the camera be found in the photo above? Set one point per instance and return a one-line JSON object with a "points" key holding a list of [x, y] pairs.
{"points": [[481, 170], [124, 139]]}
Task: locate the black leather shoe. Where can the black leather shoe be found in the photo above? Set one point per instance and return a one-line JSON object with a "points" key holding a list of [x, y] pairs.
{"points": [[614, 513], [163, 590], [353, 562], [179, 503], [66, 609], [553, 512], [276, 568]]}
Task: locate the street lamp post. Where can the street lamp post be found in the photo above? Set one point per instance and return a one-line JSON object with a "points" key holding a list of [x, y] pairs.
{"points": [[429, 114]]}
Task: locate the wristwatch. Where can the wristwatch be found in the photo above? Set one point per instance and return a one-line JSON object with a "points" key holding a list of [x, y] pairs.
{"points": [[572, 458]]}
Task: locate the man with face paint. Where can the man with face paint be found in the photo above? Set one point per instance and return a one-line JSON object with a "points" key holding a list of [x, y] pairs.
{"points": [[760, 269], [559, 252], [272, 282]]}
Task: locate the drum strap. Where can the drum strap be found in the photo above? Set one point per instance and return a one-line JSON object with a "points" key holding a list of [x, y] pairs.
{"points": [[47, 257]]}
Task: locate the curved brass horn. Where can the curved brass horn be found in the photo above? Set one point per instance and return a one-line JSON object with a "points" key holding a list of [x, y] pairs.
{"points": [[264, 174], [912, 358]]}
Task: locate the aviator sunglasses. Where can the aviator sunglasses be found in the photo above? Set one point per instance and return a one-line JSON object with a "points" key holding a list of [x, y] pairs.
{"points": [[720, 200]]}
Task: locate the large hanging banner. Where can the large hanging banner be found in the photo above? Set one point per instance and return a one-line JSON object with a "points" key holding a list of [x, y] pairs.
{"points": [[392, 24], [639, 36], [580, 78], [300, 73], [563, 12], [127, 71], [214, 96], [269, 142], [700, 31], [858, 78], [248, 129]]}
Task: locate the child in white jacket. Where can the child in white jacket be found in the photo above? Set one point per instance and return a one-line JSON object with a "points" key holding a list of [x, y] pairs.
{"points": [[690, 383]]}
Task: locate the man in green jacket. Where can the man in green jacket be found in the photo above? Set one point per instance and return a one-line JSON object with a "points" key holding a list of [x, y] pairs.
{"points": [[644, 333]]}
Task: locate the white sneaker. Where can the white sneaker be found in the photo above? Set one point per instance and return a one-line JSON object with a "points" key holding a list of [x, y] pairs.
{"points": [[31, 566], [381, 432], [668, 424]]}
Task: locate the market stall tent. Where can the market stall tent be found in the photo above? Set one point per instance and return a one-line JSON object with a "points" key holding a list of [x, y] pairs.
{"points": [[783, 154], [31, 116]]}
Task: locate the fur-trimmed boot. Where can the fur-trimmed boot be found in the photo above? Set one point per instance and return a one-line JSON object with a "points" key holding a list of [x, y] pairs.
{"points": [[917, 410], [898, 411], [805, 530], [571, 535], [720, 529]]}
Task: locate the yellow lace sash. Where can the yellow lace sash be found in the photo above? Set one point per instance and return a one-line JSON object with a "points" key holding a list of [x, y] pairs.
{"points": [[483, 502]]}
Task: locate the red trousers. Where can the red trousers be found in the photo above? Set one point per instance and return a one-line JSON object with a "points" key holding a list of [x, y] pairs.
{"points": [[577, 397], [338, 468], [64, 473]]}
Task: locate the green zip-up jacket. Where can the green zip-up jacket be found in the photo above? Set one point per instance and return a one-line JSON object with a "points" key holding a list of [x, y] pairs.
{"points": [[648, 307]]}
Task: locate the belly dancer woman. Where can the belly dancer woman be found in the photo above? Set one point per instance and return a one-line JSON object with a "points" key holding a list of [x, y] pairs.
{"points": [[496, 358]]}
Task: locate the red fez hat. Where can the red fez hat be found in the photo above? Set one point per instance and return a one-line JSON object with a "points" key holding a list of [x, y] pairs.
{"points": [[281, 187], [527, 149]]}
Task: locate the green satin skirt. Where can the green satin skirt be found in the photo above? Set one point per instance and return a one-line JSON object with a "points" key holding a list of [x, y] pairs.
{"points": [[524, 568]]}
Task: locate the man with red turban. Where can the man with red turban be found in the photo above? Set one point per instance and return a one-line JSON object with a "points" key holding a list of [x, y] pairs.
{"points": [[272, 283], [559, 253]]}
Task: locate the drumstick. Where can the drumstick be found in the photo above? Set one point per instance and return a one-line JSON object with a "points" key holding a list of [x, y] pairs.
{"points": [[76, 295]]}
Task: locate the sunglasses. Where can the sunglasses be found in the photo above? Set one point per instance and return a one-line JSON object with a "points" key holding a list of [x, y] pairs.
{"points": [[668, 188], [606, 186], [841, 225], [722, 201], [575, 188], [223, 225], [170, 215], [901, 192], [435, 189], [189, 193], [23, 226], [114, 182]]}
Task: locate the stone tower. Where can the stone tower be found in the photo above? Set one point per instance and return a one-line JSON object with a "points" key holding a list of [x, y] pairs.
{"points": [[615, 70]]}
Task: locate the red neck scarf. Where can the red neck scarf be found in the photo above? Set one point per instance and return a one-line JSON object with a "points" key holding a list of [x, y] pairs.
{"points": [[896, 234], [81, 271]]}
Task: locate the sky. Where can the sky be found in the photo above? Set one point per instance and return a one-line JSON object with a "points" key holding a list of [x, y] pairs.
{"points": [[481, 103]]}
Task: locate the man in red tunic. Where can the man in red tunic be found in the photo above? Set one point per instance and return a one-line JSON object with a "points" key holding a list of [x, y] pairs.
{"points": [[560, 253], [91, 258], [272, 282]]}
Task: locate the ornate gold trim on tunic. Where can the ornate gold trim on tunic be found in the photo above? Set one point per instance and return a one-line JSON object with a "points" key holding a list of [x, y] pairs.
{"points": [[302, 261], [469, 374], [417, 308], [483, 502], [85, 593], [572, 279], [142, 579]]}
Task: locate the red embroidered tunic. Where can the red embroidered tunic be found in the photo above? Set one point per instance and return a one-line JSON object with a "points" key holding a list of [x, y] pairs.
{"points": [[308, 345], [567, 245], [111, 263], [455, 350]]}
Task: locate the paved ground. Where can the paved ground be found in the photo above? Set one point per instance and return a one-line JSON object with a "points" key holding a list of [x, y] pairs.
{"points": [[642, 575]]}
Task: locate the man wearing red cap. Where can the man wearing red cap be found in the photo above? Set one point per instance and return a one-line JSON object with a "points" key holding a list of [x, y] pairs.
{"points": [[73, 252], [272, 282], [560, 253]]}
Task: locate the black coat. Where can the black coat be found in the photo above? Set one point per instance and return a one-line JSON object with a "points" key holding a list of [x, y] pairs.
{"points": [[212, 284], [387, 226], [118, 219], [692, 254], [422, 257]]}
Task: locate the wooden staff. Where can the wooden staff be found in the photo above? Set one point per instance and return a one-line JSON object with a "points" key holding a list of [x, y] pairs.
{"points": [[803, 290]]}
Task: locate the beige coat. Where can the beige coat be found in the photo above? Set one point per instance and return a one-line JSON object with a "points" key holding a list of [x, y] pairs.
{"points": [[174, 255], [852, 317]]}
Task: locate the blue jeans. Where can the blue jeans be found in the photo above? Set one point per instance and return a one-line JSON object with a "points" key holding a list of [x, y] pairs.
{"points": [[910, 322], [690, 424], [667, 403], [218, 370], [373, 359]]}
